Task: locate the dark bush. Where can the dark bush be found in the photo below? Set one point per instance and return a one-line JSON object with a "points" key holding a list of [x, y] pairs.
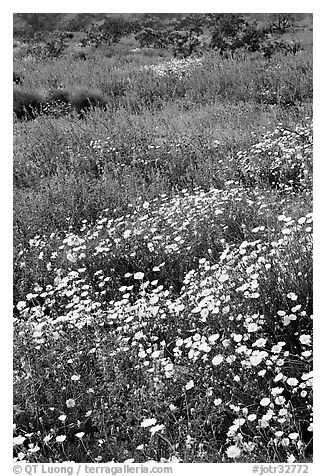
{"points": [[281, 22], [17, 78], [185, 43], [151, 38], [109, 32], [232, 33], [271, 46], [27, 104], [79, 55], [83, 100]]}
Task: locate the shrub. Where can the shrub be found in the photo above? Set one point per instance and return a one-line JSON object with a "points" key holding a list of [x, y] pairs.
{"points": [[83, 100], [151, 38], [79, 55], [229, 36], [184, 43], [27, 104], [17, 78]]}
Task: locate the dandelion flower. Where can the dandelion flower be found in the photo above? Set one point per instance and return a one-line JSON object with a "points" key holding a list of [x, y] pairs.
{"points": [[286, 320], [255, 360], [189, 385], [139, 275], [292, 296], [259, 342], [60, 438], [18, 440], [237, 337], [126, 234], [148, 422], [21, 305], [213, 338], [75, 378], [224, 277], [33, 449], [156, 428], [305, 339], [278, 377], [233, 451], [252, 327], [70, 403], [265, 401], [277, 391], [279, 400], [47, 438], [168, 367], [204, 313], [292, 381], [80, 435], [218, 359]]}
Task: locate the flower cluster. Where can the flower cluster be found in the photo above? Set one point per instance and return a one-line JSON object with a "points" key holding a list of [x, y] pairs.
{"points": [[179, 68], [184, 323], [282, 159]]}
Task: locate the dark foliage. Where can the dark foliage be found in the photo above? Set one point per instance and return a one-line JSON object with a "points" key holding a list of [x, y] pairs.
{"points": [[84, 100], [17, 78], [27, 104]]}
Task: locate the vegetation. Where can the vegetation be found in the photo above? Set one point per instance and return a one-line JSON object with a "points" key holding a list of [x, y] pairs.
{"points": [[162, 238]]}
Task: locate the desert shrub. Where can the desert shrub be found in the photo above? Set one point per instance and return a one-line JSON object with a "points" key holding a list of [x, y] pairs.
{"points": [[272, 45], [151, 38], [111, 30], [79, 55], [17, 78], [282, 22], [184, 44], [83, 100], [55, 47], [229, 35], [27, 104], [29, 26], [81, 21]]}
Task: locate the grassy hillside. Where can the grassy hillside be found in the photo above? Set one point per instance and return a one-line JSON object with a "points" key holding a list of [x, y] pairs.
{"points": [[162, 239]]}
